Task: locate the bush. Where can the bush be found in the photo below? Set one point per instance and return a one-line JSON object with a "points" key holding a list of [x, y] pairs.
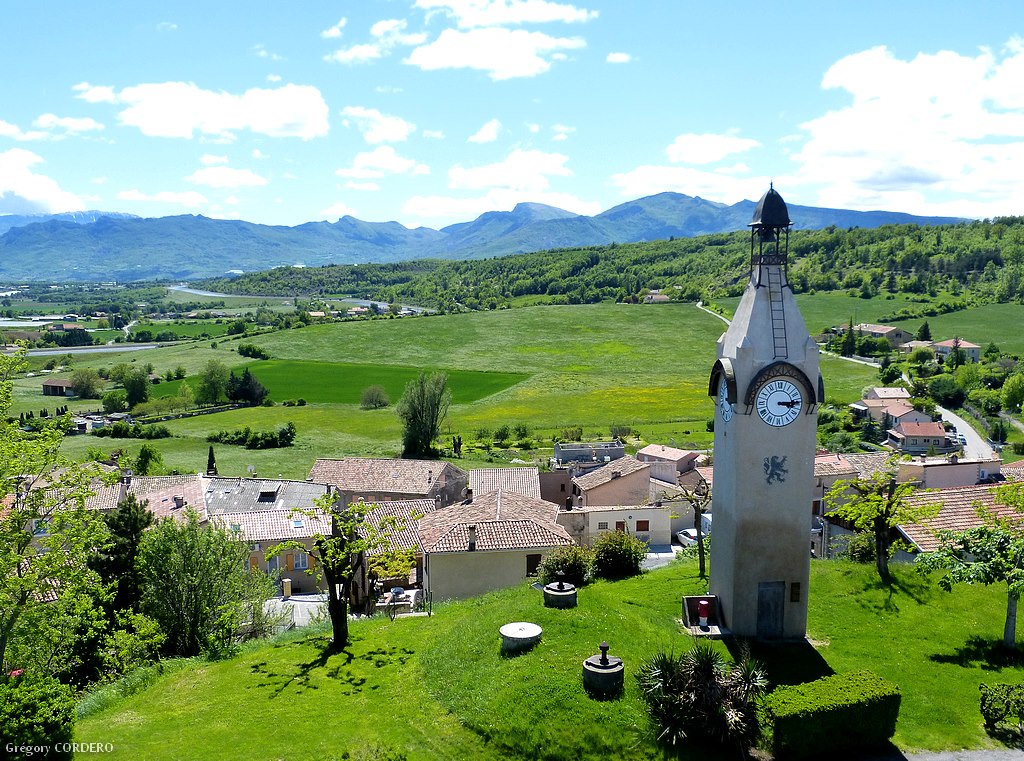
{"points": [[860, 548], [618, 555], [574, 562], [621, 431], [373, 398], [250, 439], [35, 711], [1002, 703], [122, 430], [251, 350], [833, 715]]}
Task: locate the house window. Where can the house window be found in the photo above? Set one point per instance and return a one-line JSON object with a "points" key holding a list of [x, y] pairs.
{"points": [[532, 564], [643, 525], [602, 525], [562, 486], [274, 564], [301, 561], [620, 526]]}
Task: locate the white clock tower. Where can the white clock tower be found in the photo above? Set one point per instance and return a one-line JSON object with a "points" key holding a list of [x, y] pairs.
{"points": [[767, 385]]}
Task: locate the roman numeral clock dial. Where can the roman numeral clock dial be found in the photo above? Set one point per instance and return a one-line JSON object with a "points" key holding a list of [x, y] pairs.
{"points": [[779, 402]]}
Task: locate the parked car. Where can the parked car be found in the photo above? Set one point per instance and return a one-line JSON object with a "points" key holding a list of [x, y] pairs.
{"points": [[687, 537], [962, 439]]}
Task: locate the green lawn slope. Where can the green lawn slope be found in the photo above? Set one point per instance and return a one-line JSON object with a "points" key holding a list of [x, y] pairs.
{"points": [[439, 688]]}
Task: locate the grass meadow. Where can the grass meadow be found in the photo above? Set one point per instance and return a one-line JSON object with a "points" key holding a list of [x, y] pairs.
{"points": [[439, 688], [548, 368]]}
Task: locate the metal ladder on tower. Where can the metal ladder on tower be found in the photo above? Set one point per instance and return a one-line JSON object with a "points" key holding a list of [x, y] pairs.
{"points": [[778, 312]]}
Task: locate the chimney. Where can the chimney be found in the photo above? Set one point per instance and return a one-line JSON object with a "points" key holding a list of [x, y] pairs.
{"points": [[472, 538], [179, 501], [430, 476]]}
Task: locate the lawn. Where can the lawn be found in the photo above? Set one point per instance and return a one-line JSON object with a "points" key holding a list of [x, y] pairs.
{"points": [[439, 688]]}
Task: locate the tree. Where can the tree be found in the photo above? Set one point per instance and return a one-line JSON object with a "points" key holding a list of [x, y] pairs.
{"points": [[1013, 393], [849, 345], [197, 585], [988, 554], [924, 333], [422, 409], [213, 383], [877, 505], [46, 538], [115, 401], [86, 383], [211, 463], [956, 354], [149, 461], [945, 391], [699, 498], [117, 564], [245, 389], [186, 397], [341, 554], [136, 386], [921, 356], [374, 397]]}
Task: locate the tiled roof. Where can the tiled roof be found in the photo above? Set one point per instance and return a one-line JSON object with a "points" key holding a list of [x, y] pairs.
{"points": [[948, 343], [273, 525], [236, 495], [830, 464], [404, 535], [869, 327], [622, 467], [159, 492], [525, 481], [105, 497], [381, 475], [897, 409], [921, 429], [504, 521], [1014, 472], [868, 463], [619, 508], [959, 511], [890, 392], [662, 452]]}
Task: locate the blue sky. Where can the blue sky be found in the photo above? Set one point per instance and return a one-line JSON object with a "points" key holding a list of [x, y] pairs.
{"points": [[430, 112]]}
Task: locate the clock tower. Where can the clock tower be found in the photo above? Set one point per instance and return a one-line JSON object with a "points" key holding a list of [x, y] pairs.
{"points": [[767, 386]]}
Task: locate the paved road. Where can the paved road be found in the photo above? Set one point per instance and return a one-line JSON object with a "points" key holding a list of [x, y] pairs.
{"points": [[976, 448]]}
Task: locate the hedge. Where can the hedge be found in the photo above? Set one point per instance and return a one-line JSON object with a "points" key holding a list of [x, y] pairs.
{"points": [[832, 715]]}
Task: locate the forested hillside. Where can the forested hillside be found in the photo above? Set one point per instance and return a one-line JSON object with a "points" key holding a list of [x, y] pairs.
{"points": [[974, 262]]}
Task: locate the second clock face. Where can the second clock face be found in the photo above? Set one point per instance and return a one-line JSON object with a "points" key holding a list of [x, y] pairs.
{"points": [[723, 401], [779, 402]]}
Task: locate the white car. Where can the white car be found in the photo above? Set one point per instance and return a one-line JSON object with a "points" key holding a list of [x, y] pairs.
{"points": [[962, 439], [687, 537]]}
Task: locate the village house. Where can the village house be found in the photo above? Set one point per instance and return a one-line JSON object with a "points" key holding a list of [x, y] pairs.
{"points": [[525, 481], [587, 452], [894, 335], [648, 523], [58, 387], [372, 479], [971, 352], [887, 393], [920, 438], [494, 540], [625, 481], [684, 460], [958, 511]]}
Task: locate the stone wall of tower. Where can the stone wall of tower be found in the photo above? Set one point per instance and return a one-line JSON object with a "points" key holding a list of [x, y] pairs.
{"points": [[762, 529]]}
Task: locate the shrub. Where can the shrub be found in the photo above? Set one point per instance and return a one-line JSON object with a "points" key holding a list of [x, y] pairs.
{"points": [[618, 555], [621, 431], [251, 350], [833, 715], [373, 398], [1002, 703], [860, 548], [574, 433], [502, 434], [699, 695], [574, 562], [122, 430], [35, 711], [521, 430]]}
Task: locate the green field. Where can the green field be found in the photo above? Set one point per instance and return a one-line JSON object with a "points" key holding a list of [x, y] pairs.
{"points": [[438, 687], [591, 366]]}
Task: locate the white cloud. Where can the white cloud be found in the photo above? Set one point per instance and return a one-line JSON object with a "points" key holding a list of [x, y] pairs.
{"points": [[521, 170], [433, 134], [707, 148], [231, 200], [24, 191], [918, 133], [180, 109], [208, 159], [334, 32], [166, 26], [338, 210], [649, 180], [362, 186], [190, 199], [95, 93], [561, 132], [381, 162], [226, 177], [502, 53], [618, 58], [262, 52], [487, 133], [391, 32], [355, 54], [377, 127], [258, 154], [273, 78], [98, 180], [15, 132], [440, 209], [477, 13], [533, 128]]}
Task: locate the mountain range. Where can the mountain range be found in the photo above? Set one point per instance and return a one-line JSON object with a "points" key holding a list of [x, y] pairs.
{"points": [[98, 246]]}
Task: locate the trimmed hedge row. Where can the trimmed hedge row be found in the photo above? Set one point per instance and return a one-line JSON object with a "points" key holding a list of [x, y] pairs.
{"points": [[831, 715]]}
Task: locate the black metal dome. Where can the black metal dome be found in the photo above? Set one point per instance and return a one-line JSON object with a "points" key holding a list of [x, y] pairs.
{"points": [[771, 211]]}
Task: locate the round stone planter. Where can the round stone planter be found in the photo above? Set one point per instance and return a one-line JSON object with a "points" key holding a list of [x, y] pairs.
{"points": [[519, 637], [603, 675], [559, 595]]}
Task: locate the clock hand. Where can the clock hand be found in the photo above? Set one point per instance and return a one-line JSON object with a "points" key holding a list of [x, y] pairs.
{"points": [[791, 405]]}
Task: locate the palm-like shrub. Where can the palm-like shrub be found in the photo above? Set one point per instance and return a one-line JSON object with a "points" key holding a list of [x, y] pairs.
{"points": [[699, 695]]}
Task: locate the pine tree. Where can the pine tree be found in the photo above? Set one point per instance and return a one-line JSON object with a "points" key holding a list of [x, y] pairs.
{"points": [[211, 463]]}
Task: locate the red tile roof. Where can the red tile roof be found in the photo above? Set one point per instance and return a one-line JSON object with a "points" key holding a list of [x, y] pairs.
{"points": [[381, 475], [273, 525], [525, 481], [922, 429], [616, 468], [958, 511], [160, 492]]}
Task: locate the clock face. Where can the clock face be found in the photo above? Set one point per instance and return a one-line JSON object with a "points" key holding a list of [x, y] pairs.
{"points": [[779, 402], [723, 401]]}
